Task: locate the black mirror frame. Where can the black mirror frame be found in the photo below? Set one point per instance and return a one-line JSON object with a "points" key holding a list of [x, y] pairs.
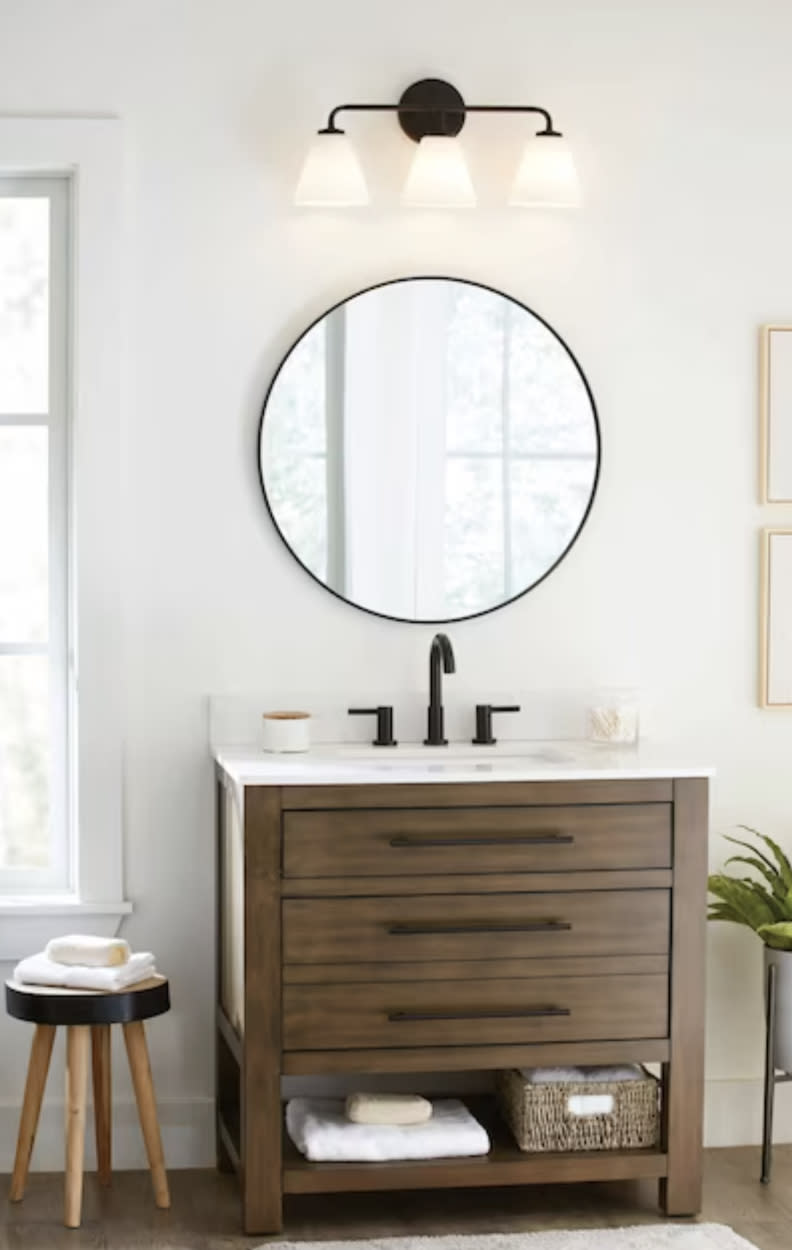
{"points": [[406, 620]]}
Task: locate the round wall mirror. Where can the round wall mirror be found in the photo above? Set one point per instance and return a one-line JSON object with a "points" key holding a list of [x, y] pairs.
{"points": [[429, 449]]}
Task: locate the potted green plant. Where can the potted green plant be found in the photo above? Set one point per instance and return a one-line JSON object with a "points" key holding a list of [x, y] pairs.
{"points": [[764, 904]]}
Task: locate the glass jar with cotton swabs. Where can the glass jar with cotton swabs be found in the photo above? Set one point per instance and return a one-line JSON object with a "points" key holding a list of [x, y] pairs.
{"points": [[613, 717]]}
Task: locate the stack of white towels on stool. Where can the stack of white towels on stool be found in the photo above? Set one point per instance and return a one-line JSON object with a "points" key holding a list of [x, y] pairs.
{"points": [[84, 962], [371, 1128]]}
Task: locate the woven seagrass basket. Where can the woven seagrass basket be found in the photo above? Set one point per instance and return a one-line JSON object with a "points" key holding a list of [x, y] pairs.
{"points": [[541, 1117]]}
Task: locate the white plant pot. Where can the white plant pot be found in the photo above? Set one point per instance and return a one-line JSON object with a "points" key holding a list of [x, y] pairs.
{"points": [[782, 1033]]}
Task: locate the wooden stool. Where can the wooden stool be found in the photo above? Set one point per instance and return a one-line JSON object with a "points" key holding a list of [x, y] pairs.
{"points": [[87, 1015]]}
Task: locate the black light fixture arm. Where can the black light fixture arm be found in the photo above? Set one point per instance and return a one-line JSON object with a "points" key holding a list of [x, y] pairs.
{"points": [[548, 129], [434, 107], [332, 129]]}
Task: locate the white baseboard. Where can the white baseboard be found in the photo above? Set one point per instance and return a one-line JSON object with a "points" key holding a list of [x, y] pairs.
{"points": [[733, 1113], [187, 1127], [732, 1117]]}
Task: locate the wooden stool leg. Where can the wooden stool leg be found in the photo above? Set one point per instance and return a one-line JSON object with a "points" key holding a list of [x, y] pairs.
{"points": [[78, 1040], [137, 1053], [102, 1096], [38, 1067]]}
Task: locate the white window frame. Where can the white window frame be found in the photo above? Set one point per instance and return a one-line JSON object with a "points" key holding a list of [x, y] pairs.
{"points": [[89, 152]]}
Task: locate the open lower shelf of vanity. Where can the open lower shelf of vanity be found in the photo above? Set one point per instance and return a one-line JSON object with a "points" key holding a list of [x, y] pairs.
{"points": [[505, 1164]]}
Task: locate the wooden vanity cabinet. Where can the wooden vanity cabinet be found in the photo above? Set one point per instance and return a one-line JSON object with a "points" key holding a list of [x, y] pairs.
{"points": [[442, 928]]}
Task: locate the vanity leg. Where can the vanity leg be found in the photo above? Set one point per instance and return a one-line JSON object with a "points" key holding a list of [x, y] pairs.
{"points": [[261, 1111], [223, 1161], [683, 1076], [680, 1190], [228, 1075]]}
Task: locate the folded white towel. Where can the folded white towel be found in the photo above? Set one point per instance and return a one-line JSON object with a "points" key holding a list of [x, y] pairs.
{"points": [[387, 1109], [88, 951], [590, 1073], [320, 1130], [39, 970]]}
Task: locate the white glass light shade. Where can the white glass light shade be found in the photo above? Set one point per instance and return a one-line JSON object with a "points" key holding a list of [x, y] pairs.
{"points": [[331, 176], [439, 176], [546, 176]]}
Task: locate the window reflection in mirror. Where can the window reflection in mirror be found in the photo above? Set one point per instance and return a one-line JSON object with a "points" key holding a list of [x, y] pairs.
{"points": [[429, 449]]}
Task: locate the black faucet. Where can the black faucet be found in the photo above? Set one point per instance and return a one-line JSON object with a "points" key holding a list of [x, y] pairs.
{"points": [[440, 652]]}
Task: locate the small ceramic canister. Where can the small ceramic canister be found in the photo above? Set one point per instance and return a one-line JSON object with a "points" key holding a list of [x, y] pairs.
{"points": [[286, 731]]}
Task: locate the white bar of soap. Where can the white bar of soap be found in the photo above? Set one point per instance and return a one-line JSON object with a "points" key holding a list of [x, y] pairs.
{"points": [[388, 1109]]}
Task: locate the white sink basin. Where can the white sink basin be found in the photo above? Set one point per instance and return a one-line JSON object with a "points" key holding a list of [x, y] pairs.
{"points": [[457, 753], [457, 758]]}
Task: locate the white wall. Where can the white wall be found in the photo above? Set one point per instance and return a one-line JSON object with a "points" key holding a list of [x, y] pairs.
{"points": [[680, 115]]}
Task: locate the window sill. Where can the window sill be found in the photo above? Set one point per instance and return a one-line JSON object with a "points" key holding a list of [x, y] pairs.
{"points": [[27, 924]]}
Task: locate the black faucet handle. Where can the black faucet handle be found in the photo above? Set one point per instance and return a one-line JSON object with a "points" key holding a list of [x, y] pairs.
{"points": [[384, 715], [484, 712]]}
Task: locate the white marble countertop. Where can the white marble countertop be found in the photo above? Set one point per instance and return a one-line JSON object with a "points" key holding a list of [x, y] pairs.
{"points": [[412, 763]]}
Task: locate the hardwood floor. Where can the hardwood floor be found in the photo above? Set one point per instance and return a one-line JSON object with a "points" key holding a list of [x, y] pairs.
{"points": [[205, 1210]]}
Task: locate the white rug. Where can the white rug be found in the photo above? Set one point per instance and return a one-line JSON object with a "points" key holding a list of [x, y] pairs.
{"points": [[637, 1237]]}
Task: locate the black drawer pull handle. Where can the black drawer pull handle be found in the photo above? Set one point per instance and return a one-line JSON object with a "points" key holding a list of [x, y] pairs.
{"points": [[527, 926], [527, 1013], [539, 839]]}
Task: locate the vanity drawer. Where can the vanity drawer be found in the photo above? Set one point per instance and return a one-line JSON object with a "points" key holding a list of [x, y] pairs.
{"points": [[416, 841], [475, 1012], [487, 926]]}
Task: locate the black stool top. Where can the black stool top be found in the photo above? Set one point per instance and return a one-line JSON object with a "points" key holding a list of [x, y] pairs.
{"points": [[49, 1004]]}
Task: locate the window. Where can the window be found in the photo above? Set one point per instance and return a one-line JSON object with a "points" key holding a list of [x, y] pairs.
{"points": [[34, 720], [64, 866]]}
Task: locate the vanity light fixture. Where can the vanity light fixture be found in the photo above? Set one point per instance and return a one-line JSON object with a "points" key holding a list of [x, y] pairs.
{"points": [[432, 113], [331, 176], [439, 175]]}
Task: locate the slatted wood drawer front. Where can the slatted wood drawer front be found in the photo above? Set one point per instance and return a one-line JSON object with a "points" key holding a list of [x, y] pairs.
{"points": [[392, 842], [483, 1012], [475, 927]]}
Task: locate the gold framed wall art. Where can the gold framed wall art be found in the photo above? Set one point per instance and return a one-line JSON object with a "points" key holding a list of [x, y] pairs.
{"points": [[775, 624], [775, 409]]}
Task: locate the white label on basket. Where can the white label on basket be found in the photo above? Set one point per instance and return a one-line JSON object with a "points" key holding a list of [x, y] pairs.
{"points": [[590, 1104]]}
